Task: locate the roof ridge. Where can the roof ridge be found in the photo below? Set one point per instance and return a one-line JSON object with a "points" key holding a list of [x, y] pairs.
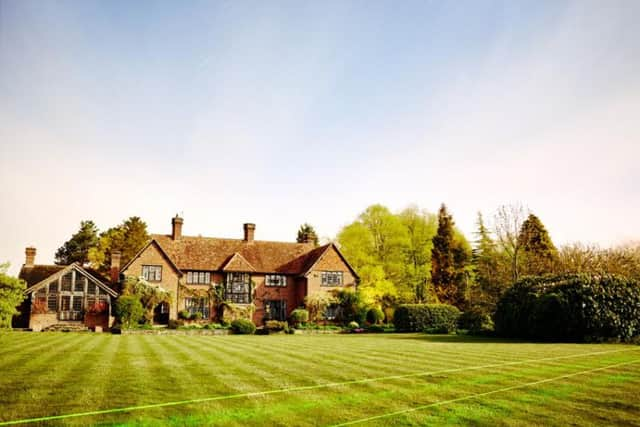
{"points": [[232, 239]]}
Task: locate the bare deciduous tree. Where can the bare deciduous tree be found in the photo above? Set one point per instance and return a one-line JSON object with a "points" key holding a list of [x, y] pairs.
{"points": [[508, 221]]}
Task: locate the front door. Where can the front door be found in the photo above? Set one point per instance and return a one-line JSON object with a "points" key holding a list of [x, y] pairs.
{"points": [[275, 309], [161, 314]]}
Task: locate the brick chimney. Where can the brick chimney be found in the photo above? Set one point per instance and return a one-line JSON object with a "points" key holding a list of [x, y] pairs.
{"points": [[249, 231], [115, 266], [176, 227], [30, 258]]}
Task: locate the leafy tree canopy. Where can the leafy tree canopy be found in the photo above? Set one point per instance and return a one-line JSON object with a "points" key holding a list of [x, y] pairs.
{"points": [[77, 248], [11, 296], [128, 238]]}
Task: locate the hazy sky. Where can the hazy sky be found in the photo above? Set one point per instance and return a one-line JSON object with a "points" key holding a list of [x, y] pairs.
{"points": [[284, 112]]}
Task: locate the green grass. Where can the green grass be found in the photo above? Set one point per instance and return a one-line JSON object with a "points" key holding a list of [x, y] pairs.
{"points": [[332, 379]]}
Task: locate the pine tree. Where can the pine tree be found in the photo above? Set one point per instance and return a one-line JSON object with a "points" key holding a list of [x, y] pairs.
{"points": [[491, 268], [77, 248], [539, 255]]}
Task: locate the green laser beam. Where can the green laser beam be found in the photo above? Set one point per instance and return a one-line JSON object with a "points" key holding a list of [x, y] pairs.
{"points": [[298, 388], [478, 395]]}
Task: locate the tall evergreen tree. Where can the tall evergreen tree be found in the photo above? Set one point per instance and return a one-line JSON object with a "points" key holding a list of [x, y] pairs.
{"points": [[491, 268], [77, 248], [539, 255], [307, 230], [442, 266]]}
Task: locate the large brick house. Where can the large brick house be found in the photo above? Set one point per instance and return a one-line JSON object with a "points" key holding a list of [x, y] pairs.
{"points": [[273, 278]]}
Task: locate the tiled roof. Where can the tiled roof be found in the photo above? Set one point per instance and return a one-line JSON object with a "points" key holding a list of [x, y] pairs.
{"points": [[237, 263], [208, 253], [38, 273]]}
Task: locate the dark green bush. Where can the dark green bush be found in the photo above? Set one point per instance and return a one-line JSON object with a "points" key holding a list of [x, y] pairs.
{"points": [[129, 310], [243, 327], [298, 316], [571, 308], [196, 316], [375, 316], [175, 324], [438, 318], [375, 328], [475, 321]]}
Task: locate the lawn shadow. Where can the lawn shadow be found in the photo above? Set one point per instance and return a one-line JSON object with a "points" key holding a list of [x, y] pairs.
{"points": [[455, 338]]}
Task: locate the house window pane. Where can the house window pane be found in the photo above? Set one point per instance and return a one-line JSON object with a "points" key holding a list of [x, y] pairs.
{"points": [[66, 303], [53, 287], [79, 285], [198, 305], [77, 303], [238, 288], [66, 282], [275, 280], [152, 273], [331, 278], [52, 302]]}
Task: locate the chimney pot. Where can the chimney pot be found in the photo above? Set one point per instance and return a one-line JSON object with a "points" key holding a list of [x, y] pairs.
{"points": [[249, 232], [307, 238], [30, 256], [176, 227]]}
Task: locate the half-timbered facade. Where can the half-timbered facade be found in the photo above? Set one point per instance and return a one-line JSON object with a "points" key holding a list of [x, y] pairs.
{"points": [[63, 295]]}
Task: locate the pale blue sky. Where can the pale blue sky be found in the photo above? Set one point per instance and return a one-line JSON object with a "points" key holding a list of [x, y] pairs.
{"points": [[286, 112]]}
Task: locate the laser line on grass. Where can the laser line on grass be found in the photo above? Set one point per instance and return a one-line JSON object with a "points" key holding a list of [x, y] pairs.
{"points": [[479, 395]]}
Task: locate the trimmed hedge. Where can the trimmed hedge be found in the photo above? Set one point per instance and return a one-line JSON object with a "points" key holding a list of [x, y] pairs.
{"points": [[573, 308], [437, 318], [243, 327]]}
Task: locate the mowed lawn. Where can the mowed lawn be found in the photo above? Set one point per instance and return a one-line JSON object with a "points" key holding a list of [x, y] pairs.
{"points": [[383, 379]]}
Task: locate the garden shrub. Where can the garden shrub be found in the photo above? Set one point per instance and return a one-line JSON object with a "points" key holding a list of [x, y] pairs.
{"points": [[196, 316], [243, 327], [574, 308], [375, 316], [298, 316], [353, 325], [438, 318], [184, 315], [129, 310], [175, 324], [376, 328], [276, 325], [475, 321]]}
